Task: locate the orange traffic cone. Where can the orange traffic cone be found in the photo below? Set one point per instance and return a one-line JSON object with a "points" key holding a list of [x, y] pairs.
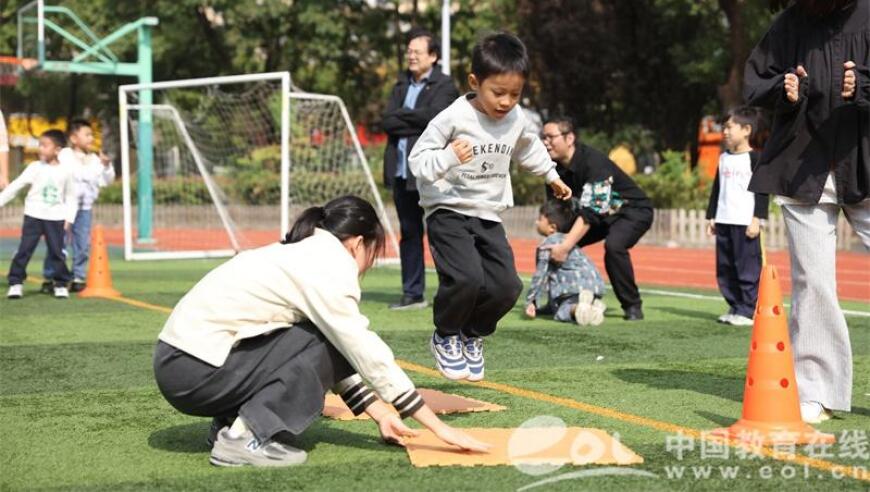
{"points": [[99, 275], [771, 409]]}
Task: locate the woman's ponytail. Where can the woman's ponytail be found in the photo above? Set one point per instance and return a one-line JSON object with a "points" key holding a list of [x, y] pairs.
{"points": [[305, 224], [345, 217]]}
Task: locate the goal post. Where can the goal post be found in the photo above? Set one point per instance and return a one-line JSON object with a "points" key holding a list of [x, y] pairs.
{"points": [[234, 160], [332, 132]]}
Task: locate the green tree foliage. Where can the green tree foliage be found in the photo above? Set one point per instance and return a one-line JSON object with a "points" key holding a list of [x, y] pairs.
{"points": [[654, 63]]}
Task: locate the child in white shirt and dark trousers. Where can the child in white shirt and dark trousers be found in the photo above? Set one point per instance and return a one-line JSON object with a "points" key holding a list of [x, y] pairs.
{"points": [[735, 216], [49, 209], [462, 165], [91, 172]]}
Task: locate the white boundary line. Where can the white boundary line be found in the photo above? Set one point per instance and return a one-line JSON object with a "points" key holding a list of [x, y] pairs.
{"points": [[671, 293]]}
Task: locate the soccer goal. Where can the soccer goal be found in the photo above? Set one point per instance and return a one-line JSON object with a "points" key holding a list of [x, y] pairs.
{"points": [[218, 165]]}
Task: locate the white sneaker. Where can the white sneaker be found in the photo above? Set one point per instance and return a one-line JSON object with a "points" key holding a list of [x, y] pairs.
{"points": [[738, 320], [597, 316], [15, 291], [725, 318], [812, 412], [247, 450], [449, 356], [583, 313], [61, 292]]}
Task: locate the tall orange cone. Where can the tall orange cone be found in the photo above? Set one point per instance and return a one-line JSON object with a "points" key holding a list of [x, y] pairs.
{"points": [[771, 409], [99, 275]]}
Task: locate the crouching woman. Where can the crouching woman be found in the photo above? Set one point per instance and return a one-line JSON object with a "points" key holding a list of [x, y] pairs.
{"points": [[258, 342]]}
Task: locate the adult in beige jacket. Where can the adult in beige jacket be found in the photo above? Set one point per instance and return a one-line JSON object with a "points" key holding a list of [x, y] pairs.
{"points": [[258, 342]]}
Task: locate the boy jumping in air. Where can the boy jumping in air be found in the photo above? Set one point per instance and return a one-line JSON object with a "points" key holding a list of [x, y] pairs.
{"points": [[462, 165]]}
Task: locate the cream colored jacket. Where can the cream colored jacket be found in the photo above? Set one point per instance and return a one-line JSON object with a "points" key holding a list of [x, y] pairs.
{"points": [[272, 288]]}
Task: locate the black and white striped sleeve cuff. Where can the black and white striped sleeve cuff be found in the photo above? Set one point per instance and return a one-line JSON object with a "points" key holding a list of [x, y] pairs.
{"points": [[407, 403], [356, 396]]}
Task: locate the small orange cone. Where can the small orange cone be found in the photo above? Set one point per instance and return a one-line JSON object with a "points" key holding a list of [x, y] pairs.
{"points": [[771, 409], [99, 275]]}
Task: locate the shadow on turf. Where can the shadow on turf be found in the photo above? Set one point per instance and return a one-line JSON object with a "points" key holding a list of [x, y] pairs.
{"points": [[190, 438], [699, 382], [686, 313]]}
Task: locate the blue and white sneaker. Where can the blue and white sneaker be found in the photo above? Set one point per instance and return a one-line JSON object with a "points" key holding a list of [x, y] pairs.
{"points": [[472, 349], [449, 358]]}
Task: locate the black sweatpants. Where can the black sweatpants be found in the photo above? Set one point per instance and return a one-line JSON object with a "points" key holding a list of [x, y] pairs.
{"points": [[477, 278], [31, 231], [620, 233], [738, 268], [276, 382]]}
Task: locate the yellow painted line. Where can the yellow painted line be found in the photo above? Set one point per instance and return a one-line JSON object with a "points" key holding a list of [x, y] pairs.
{"points": [[125, 300], [843, 470], [139, 304]]}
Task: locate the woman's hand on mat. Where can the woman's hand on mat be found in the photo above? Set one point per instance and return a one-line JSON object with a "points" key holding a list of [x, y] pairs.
{"points": [[393, 430], [448, 434], [460, 439], [531, 311]]}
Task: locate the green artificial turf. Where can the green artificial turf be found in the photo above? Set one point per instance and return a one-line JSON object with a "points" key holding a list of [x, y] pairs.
{"points": [[79, 408]]}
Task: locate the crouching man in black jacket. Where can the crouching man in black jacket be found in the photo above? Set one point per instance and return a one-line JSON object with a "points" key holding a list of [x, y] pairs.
{"points": [[609, 207]]}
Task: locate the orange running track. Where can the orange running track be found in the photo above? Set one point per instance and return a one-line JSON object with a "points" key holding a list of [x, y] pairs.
{"points": [[653, 265]]}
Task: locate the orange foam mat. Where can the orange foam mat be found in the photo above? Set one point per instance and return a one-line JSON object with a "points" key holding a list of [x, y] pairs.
{"points": [[524, 446], [440, 403]]}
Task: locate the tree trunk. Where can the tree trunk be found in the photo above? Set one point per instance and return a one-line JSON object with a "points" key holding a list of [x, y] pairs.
{"points": [[731, 92]]}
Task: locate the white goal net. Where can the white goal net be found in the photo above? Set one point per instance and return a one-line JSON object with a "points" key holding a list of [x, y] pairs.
{"points": [[218, 165]]}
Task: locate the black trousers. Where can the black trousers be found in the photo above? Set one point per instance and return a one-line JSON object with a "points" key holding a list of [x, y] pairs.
{"points": [[477, 278], [620, 233], [738, 268], [411, 242], [31, 231], [276, 382]]}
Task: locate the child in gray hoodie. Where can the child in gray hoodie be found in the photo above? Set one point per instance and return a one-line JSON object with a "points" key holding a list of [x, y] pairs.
{"points": [[462, 165]]}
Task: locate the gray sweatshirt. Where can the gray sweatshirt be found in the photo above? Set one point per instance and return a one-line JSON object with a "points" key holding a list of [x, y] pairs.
{"points": [[482, 186]]}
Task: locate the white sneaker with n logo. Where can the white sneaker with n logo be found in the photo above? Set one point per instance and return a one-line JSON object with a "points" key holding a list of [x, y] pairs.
{"points": [[246, 450]]}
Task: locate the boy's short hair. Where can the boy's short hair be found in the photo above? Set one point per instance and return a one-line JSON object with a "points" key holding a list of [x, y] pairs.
{"points": [[753, 117], [565, 123], [497, 54], [559, 214], [56, 136], [76, 124], [433, 44]]}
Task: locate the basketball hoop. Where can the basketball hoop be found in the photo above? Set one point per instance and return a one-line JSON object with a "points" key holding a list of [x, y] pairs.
{"points": [[11, 67]]}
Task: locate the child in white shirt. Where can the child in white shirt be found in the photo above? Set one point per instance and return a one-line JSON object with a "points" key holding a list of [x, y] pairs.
{"points": [[735, 215], [49, 209], [91, 172]]}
